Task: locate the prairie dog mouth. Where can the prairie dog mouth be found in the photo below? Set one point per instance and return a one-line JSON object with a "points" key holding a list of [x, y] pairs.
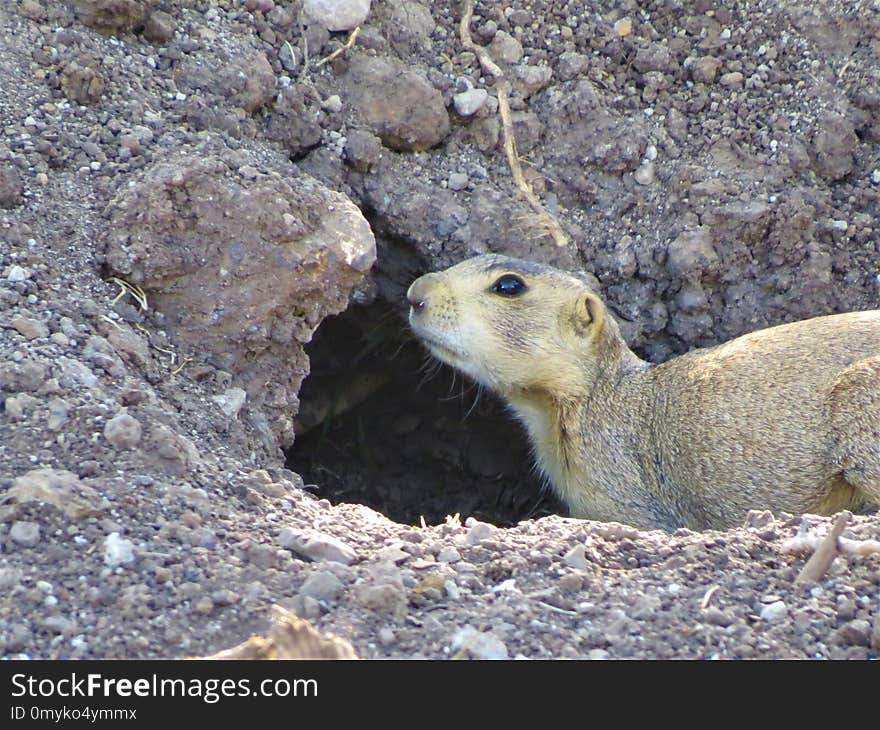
{"points": [[438, 346]]}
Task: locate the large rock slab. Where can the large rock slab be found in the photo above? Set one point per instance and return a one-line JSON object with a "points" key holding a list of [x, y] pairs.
{"points": [[243, 263]]}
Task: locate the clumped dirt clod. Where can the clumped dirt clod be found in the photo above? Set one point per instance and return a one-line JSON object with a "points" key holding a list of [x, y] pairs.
{"points": [[715, 169]]}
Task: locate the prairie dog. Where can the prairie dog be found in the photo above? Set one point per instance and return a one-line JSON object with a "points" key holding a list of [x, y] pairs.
{"points": [[786, 418]]}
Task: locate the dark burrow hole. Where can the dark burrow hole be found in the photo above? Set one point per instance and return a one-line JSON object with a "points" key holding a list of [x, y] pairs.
{"points": [[378, 426]]}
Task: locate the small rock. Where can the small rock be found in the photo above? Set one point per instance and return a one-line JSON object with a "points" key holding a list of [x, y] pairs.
{"points": [[692, 252], [504, 48], [644, 175], [576, 558], [33, 9], [398, 103], [598, 654], [654, 57], [773, 612], [113, 16], [82, 81], [332, 104], [571, 64], [875, 633], [18, 406], [204, 606], [58, 624], [448, 555], [11, 187], [718, 617], [623, 27], [479, 644], [703, 70], [17, 273], [60, 488], [123, 431], [29, 328], [322, 586], [533, 78], [363, 150], [231, 401], [160, 27], [854, 633], [58, 410], [10, 577], [337, 15], [478, 531], [469, 102], [457, 181], [117, 550], [386, 636], [384, 597], [392, 553], [26, 534], [316, 546], [734, 79]]}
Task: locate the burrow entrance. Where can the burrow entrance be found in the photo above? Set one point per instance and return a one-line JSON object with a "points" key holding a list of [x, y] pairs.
{"points": [[382, 424]]}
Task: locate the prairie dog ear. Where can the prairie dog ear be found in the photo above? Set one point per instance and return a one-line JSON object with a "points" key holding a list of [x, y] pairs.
{"points": [[589, 314]]}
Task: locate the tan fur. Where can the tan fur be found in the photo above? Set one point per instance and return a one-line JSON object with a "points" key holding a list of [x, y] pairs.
{"points": [[786, 418]]}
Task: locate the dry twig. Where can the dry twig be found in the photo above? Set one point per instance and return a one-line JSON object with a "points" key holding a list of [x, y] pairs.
{"points": [[826, 549]]}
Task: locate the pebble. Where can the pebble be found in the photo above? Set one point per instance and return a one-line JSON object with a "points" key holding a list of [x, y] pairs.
{"points": [[534, 78], [117, 550], [505, 48], [337, 15], [457, 181], [231, 401], [448, 555], [623, 27], [478, 531], [392, 553], [58, 624], [704, 70], [26, 534], [469, 102], [571, 64], [204, 606], [18, 406], [160, 27], [332, 104], [29, 328], [854, 633], [386, 636], [773, 612], [322, 586], [732, 79], [384, 597], [123, 431], [317, 546], [17, 273], [479, 644], [644, 175], [576, 558]]}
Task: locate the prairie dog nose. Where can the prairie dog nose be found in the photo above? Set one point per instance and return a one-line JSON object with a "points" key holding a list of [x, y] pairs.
{"points": [[417, 294]]}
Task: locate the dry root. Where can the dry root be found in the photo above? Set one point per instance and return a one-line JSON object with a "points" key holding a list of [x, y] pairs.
{"points": [[825, 548], [543, 220]]}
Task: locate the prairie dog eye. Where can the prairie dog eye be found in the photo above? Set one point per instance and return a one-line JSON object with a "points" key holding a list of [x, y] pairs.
{"points": [[509, 285]]}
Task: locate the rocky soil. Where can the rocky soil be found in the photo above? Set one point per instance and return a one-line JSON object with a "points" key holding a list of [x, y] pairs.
{"points": [[189, 189]]}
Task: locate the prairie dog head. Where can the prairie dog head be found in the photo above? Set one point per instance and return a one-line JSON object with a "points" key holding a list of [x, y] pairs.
{"points": [[511, 325]]}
